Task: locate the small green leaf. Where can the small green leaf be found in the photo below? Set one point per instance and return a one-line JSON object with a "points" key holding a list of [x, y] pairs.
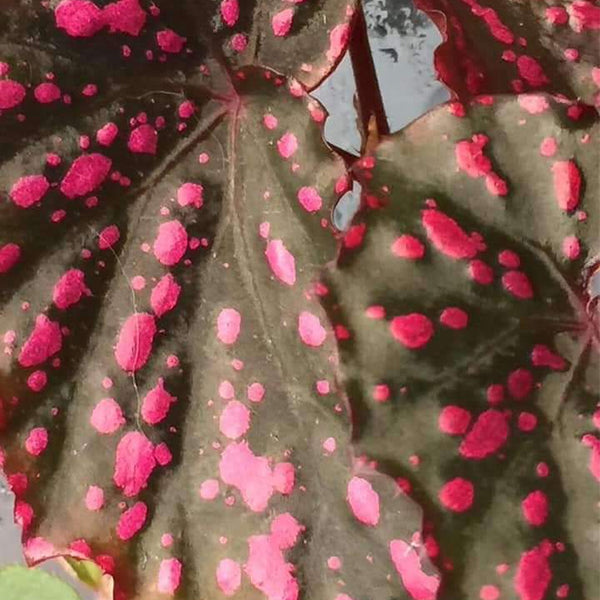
{"points": [[86, 571], [21, 583]]}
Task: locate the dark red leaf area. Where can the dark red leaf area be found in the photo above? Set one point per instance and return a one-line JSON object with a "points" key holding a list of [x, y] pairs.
{"points": [[513, 47], [471, 344]]}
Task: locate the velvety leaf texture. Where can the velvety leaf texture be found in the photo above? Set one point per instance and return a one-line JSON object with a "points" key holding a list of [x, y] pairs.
{"points": [[471, 354], [515, 46], [169, 405]]}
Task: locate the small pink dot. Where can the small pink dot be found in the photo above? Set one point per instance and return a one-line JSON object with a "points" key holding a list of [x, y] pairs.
{"points": [[203, 158]]}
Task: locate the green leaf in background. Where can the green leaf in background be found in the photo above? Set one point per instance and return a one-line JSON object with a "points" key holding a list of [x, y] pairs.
{"points": [[21, 583], [87, 571]]}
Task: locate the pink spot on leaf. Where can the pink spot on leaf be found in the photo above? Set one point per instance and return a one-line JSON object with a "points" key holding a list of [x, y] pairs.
{"points": [[134, 463], [169, 576], [85, 175], [281, 261], [363, 501], [418, 584], [229, 324], [413, 330], [229, 576], [447, 236], [107, 416], [29, 190], [235, 420], [135, 341], [131, 521], [171, 243], [45, 341], [457, 495], [69, 289], [312, 333], [156, 404]]}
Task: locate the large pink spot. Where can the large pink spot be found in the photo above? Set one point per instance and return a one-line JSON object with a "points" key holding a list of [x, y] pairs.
{"points": [[45, 341], [108, 237], [29, 190], [281, 22], [235, 420], [593, 443], [165, 295], [567, 184], [131, 521], [229, 576], [520, 383], [230, 12], [169, 576], [281, 261], [531, 71], [284, 477], [190, 194], [250, 474], [69, 289], [285, 530], [447, 236], [229, 323], [107, 416], [312, 333], [454, 318], [470, 157], [46, 93], [171, 243], [106, 135], [408, 246], [9, 257], [143, 140], [170, 42], [535, 508], [533, 103], [454, 420], [457, 494], [85, 174], [36, 441], [156, 404], [135, 341], [209, 489], [125, 16], [542, 356], [12, 93], [134, 463], [488, 434], [309, 199], [517, 284], [584, 15], [338, 40], [287, 145], [79, 18], [413, 330], [268, 570], [533, 574], [363, 501], [408, 564], [94, 498]]}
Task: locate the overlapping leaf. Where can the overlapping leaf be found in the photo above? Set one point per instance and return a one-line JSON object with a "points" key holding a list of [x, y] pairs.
{"points": [[518, 46], [168, 397], [471, 352]]}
